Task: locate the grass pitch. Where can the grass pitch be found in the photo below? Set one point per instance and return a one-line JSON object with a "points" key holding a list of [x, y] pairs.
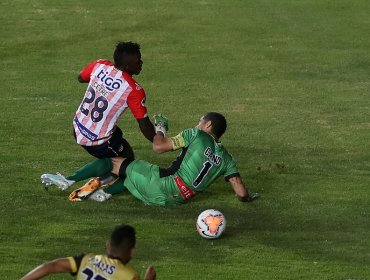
{"points": [[292, 77]]}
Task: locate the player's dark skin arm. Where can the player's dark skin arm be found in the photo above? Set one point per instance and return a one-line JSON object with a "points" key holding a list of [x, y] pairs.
{"points": [[147, 128], [55, 266]]}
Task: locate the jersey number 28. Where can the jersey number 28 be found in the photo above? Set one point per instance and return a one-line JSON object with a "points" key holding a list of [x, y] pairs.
{"points": [[100, 105]]}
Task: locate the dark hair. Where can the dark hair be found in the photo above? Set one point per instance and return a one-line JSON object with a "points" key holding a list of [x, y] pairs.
{"points": [[218, 123], [125, 48], [123, 238]]}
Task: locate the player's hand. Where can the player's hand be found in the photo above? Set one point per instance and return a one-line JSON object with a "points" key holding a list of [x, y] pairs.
{"points": [[161, 123], [161, 120], [150, 274], [251, 196]]}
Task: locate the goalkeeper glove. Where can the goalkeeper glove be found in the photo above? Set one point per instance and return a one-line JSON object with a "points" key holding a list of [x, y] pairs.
{"points": [[161, 124], [251, 197]]}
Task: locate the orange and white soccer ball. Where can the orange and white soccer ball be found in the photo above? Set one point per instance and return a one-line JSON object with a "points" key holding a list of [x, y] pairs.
{"points": [[211, 223]]}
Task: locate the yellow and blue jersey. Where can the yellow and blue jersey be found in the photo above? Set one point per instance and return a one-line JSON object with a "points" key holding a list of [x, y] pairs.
{"points": [[100, 267]]}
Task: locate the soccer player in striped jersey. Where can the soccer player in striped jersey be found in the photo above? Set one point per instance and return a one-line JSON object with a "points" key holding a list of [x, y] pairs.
{"points": [[112, 266], [110, 92]]}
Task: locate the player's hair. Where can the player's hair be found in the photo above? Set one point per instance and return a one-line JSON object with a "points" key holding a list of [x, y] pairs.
{"points": [[218, 121], [122, 50], [123, 238]]}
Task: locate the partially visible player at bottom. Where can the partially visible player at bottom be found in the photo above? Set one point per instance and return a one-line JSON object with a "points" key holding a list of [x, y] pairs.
{"points": [[113, 266], [202, 160]]}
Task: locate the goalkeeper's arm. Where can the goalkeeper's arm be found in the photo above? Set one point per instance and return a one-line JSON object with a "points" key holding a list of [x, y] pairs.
{"points": [[241, 191], [161, 143]]}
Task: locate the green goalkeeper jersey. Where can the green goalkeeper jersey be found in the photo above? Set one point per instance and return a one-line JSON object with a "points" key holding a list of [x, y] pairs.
{"points": [[201, 161]]}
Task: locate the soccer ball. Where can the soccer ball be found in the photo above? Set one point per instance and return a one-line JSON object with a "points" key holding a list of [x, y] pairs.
{"points": [[211, 224]]}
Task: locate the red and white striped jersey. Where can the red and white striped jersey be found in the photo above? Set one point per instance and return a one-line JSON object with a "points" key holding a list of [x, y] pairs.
{"points": [[109, 94]]}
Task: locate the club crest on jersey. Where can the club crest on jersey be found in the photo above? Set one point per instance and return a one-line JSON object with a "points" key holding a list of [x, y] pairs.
{"points": [[143, 102], [110, 83], [138, 87]]}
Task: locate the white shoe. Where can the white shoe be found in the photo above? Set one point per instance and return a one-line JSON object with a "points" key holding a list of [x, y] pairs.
{"points": [[100, 196], [56, 179]]}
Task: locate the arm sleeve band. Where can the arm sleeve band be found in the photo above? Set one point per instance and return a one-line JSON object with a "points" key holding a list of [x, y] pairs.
{"points": [[178, 142]]}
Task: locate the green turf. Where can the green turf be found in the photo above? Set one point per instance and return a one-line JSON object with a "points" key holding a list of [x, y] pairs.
{"points": [[292, 77]]}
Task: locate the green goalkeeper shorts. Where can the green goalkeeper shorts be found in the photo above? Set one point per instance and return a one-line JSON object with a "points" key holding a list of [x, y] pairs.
{"points": [[143, 182]]}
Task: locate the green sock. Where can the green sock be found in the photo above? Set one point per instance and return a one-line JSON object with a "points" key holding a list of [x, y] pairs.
{"points": [[116, 188], [96, 168]]}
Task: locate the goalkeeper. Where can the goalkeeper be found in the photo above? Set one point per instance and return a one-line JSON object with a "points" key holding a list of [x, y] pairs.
{"points": [[202, 160]]}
